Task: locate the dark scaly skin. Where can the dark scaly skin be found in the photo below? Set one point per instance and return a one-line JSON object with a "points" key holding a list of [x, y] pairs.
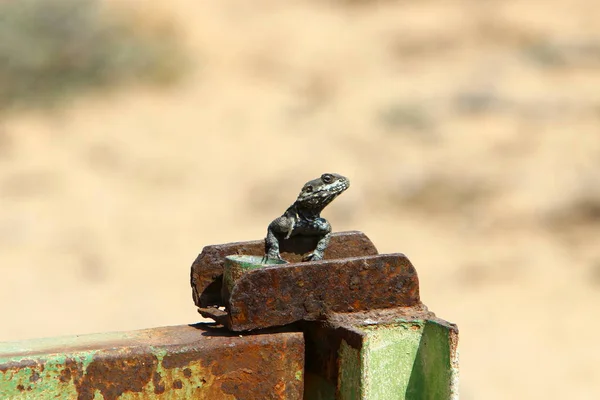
{"points": [[304, 216]]}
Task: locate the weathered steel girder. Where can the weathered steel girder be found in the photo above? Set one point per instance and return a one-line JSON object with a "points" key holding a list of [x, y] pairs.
{"points": [[181, 362]]}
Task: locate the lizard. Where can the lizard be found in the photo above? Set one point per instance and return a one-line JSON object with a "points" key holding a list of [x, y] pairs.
{"points": [[304, 216]]}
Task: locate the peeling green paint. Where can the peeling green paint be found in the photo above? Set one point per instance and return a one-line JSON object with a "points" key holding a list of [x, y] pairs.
{"points": [[46, 378], [42, 375], [181, 362]]}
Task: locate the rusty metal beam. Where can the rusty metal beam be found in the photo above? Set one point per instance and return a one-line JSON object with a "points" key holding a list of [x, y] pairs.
{"points": [[207, 269], [181, 362], [282, 294]]}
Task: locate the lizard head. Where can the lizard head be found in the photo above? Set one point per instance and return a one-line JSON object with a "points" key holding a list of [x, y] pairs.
{"points": [[318, 193]]}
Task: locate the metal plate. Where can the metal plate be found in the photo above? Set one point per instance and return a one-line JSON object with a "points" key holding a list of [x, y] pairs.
{"points": [[282, 294], [207, 269]]}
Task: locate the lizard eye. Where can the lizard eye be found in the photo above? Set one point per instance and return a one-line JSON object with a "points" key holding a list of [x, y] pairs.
{"points": [[308, 189], [326, 178]]}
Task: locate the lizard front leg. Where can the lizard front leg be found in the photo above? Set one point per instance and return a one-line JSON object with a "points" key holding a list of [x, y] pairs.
{"points": [[280, 226], [322, 226]]}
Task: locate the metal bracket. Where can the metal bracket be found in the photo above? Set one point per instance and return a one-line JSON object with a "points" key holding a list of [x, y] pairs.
{"points": [[352, 278]]}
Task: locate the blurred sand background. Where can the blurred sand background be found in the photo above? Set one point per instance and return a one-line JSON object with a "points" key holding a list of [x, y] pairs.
{"points": [[470, 131]]}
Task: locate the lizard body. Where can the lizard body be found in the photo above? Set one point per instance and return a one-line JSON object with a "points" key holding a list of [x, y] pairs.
{"points": [[304, 216]]}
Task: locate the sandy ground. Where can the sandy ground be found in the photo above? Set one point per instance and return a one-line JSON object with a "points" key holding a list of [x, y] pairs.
{"points": [[470, 131]]}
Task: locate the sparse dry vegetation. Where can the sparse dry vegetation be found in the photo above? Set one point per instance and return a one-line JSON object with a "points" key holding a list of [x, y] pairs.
{"points": [[52, 49]]}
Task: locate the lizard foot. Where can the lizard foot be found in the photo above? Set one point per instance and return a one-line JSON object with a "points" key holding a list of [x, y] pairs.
{"points": [[314, 256]]}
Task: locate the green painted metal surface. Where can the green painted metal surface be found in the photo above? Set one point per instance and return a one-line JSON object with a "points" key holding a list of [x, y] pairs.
{"points": [[414, 359], [435, 371], [409, 361], [389, 356]]}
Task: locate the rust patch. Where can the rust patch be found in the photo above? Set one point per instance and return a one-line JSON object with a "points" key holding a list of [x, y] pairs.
{"points": [[24, 363], [270, 296], [159, 387], [177, 384], [207, 269], [181, 360], [248, 373], [249, 367], [65, 375], [116, 372], [34, 376], [73, 370]]}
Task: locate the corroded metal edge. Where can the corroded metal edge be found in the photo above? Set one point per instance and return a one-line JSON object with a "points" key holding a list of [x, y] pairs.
{"points": [[182, 362], [282, 294], [207, 269]]}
